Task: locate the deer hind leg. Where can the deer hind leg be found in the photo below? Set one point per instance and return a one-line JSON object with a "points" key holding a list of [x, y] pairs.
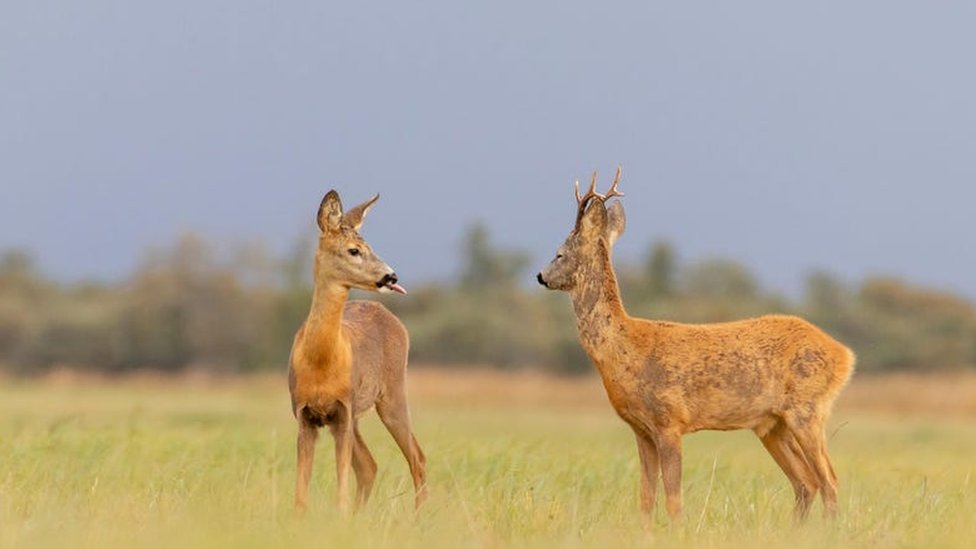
{"points": [[669, 454], [780, 444], [809, 434], [395, 416], [307, 435], [831, 475], [364, 466], [650, 472], [341, 427], [830, 466]]}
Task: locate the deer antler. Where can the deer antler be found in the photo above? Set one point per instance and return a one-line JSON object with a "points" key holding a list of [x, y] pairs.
{"points": [[583, 200], [613, 187]]}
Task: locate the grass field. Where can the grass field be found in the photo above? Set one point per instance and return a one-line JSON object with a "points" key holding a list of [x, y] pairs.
{"points": [[514, 461]]}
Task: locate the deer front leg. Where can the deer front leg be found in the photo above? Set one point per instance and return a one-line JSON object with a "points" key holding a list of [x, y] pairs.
{"points": [[669, 450], [342, 432], [650, 471], [307, 435]]}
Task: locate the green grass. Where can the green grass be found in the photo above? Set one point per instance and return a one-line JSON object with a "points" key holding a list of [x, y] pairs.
{"points": [[178, 464]]}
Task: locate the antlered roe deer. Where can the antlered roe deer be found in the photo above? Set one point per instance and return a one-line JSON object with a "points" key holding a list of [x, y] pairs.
{"points": [[349, 356], [776, 375]]}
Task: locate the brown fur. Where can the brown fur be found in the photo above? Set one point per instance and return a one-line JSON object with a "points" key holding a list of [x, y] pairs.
{"points": [[347, 357], [776, 375]]}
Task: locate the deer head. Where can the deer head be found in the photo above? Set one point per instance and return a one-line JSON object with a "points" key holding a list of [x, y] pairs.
{"points": [[596, 223], [343, 255]]}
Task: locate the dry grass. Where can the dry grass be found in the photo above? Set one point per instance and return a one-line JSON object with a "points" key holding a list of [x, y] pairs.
{"points": [[515, 460], [950, 395], [938, 395]]}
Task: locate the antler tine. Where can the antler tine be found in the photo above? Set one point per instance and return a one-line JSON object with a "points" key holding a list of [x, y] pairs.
{"points": [[613, 188], [581, 201], [585, 199]]}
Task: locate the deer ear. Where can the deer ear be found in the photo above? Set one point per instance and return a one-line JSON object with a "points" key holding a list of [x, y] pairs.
{"points": [[354, 217], [616, 221], [330, 212], [594, 221]]}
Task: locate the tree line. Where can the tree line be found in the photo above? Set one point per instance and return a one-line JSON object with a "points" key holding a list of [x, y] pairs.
{"points": [[191, 306]]}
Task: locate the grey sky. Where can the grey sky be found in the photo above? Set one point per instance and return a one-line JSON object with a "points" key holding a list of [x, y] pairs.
{"points": [[838, 135]]}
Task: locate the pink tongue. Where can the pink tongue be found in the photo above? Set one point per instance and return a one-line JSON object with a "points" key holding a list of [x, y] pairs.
{"points": [[398, 289]]}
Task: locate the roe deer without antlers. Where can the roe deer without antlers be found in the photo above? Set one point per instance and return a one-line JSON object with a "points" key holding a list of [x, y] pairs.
{"points": [[777, 375], [348, 357]]}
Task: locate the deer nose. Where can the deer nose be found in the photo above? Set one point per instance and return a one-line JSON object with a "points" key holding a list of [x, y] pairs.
{"points": [[387, 279], [541, 280]]}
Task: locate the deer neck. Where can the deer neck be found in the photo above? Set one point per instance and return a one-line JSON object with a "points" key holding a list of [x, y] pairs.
{"points": [[323, 328], [599, 310]]}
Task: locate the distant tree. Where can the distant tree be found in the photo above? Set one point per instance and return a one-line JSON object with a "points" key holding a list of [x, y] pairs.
{"points": [[911, 327], [484, 320], [191, 304], [17, 265], [721, 278], [22, 302], [296, 267], [184, 308], [293, 299], [825, 294], [19, 278], [485, 266], [660, 271]]}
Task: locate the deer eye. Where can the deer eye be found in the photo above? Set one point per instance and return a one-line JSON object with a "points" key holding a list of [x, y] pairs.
{"points": [[354, 252], [559, 256]]}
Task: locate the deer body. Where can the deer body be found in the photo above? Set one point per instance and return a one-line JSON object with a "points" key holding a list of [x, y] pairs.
{"points": [[348, 357], [776, 375], [360, 363]]}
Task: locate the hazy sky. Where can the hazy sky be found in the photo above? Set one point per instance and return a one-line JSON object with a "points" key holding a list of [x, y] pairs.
{"points": [[839, 135]]}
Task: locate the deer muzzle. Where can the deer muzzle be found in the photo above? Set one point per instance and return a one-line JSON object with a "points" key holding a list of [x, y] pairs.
{"points": [[389, 284]]}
